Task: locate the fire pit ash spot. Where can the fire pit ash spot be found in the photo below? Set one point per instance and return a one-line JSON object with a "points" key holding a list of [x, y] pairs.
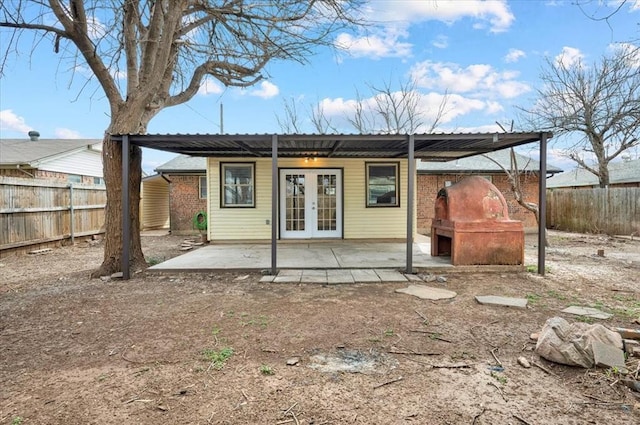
{"points": [[353, 361]]}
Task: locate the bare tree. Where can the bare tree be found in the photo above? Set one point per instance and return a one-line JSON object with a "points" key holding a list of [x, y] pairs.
{"points": [[165, 49], [290, 122], [597, 105], [392, 111], [321, 123], [385, 111], [514, 174]]}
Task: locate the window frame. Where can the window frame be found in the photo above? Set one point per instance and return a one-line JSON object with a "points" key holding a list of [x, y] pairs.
{"points": [[396, 165], [206, 187], [223, 185]]}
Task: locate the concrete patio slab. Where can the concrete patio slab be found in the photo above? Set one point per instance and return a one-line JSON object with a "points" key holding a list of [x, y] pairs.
{"points": [[288, 276], [364, 276], [390, 275], [339, 276], [314, 276], [339, 254]]}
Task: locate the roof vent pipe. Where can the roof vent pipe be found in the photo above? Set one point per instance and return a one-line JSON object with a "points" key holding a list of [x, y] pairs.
{"points": [[33, 135]]}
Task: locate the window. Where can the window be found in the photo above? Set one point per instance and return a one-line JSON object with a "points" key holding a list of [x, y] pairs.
{"points": [[98, 181], [74, 178], [238, 184], [382, 185], [203, 187]]}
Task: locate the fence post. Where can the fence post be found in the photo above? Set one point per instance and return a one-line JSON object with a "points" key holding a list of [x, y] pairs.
{"points": [[71, 213]]}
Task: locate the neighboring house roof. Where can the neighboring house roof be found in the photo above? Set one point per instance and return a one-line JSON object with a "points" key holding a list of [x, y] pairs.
{"points": [[482, 165], [32, 154], [184, 164], [619, 172]]}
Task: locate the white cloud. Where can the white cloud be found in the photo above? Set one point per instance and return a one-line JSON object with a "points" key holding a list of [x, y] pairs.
{"points": [[208, 86], [494, 13], [338, 106], [441, 42], [389, 39], [383, 43], [514, 55], [66, 133], [267, 90], [476, 80], [9, 121], [493, 107], [569, 57], [428, 105]]}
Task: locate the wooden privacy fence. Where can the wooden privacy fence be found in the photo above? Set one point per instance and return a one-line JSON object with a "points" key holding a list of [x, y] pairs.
{"points": [[38, 211], [614, 211]]}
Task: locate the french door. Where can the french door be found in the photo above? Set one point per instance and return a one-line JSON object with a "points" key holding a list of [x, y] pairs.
{"points": [[310, 203]]}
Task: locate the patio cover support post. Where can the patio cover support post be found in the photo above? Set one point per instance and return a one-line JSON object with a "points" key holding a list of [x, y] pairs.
{"points": [[542, 204], [411, 169], [126, 219], [274, 203]]}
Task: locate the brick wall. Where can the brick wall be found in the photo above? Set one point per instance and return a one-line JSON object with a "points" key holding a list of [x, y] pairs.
{"points": [[428, 186], [42, 175], [184, 203]]}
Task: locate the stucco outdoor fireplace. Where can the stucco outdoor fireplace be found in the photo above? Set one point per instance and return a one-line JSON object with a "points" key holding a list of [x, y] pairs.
{"points": [[472, 225]]}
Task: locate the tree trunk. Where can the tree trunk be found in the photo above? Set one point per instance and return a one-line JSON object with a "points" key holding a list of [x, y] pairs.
{"points": [[603, 168], [112, 163]]}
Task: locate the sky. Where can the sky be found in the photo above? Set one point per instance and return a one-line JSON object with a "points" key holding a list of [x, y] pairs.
{"points": [[485, 56]]}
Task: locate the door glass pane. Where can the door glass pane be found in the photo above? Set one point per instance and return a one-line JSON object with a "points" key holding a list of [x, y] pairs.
{"points": [[294, 208], [326, 202]]}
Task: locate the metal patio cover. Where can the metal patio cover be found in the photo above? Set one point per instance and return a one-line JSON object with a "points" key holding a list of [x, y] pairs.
{"points": [[432, 147]]}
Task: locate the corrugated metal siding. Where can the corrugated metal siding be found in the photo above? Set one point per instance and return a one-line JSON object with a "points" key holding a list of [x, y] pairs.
{"points": [[358, 220], [86, 163], [154, 204]]}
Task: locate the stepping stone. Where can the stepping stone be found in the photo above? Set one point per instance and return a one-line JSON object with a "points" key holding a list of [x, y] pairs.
{"points": [[427, 292], [503, 301], [267, 279], [587, 311], [606, 355], [364, 276], [390, 276]]}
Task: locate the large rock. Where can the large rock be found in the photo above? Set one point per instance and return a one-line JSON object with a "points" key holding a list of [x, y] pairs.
{"points": [[572, 343]]}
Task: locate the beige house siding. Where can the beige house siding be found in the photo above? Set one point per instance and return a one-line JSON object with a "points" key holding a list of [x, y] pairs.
{"points": [[154, 204], [359, 222]]}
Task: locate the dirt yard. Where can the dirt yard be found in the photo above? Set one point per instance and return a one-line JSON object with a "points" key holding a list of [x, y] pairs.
{"points": [[225, 349]]}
